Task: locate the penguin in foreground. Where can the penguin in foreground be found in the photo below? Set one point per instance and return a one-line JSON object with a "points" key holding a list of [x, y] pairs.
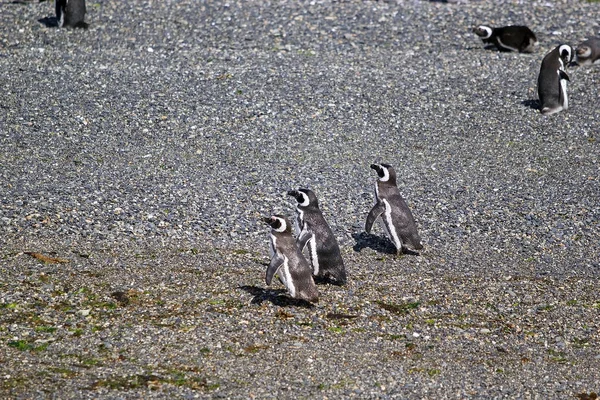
{"points": [[71, 13], [313, 230], [588, 52], [288, 262], [552, 80], [508, 38], [397, 219]]}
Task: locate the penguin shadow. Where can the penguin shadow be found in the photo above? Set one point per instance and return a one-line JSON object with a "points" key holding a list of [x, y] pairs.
{"points": [[532, 103], [367, 240], [277, 297], [49, 22]]}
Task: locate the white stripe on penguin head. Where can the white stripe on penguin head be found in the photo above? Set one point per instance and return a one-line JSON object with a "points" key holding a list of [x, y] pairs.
{"points": [[565, 48], [487, 29], [282, 226], [386, 174], [305, 200]]}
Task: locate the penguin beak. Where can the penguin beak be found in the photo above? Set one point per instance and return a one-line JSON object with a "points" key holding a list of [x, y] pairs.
{"points": [[267, 220], [375, 167], [292, 193]]}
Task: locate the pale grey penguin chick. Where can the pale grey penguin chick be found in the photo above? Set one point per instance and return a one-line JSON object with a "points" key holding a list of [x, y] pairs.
{"points": [[288, 262], [552, 80], [314, 232], [397, 219], [588, 52], [508, 38], [71, 13]]}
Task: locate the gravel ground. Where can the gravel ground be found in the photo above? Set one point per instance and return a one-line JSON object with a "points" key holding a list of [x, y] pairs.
{"points": [[137, 156]]}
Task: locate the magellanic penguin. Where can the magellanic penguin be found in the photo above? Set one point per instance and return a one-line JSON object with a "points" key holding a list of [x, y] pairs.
{"points": [[71, 13], [397, 219], [552, 80], [508, 38], [313, 230], [288, 262], [588, 52]]}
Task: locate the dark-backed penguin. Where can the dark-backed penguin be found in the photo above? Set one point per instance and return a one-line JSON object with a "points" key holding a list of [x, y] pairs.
{"points": [[314, 232], [397, 219], [71, 13], [288, 262], [588, 52], [552, 80], [508, 38]]}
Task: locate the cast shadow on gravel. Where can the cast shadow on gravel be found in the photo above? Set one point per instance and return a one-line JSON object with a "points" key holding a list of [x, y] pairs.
{"points": [[49, 22], [277, 297], [532, 103], [367, 240]]}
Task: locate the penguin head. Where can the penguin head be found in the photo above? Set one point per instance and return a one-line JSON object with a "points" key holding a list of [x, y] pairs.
{"points": [[565, 52], [483, 31], [304, 197], [278, 223], [583, 51], [385, 173]]}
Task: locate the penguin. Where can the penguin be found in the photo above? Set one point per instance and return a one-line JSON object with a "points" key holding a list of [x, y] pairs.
{"points": [[588, 52], [552, 80], [288, 262], [71, 13], [313, 230], [508, 38], [397, 219]]}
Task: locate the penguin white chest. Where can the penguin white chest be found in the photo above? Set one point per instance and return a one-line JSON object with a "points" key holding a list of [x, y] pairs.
{"points": [[312, 247], [563, 90], [299, 222], [286, 276], [388, 225]]}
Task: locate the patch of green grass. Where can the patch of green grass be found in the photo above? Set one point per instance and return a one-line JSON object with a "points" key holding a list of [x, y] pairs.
{"points": [[65, 372], [24, 345], [9, 306], [433, 372], [572, 302], [395, 337], [153, 381], [400, 308], [335, 329], [46, 329], [557, 356]]}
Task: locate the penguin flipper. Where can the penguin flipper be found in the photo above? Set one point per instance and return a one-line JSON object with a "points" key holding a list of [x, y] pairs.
{"points": [[563, 75], [375, 212], [305, 236], [276, 263]]}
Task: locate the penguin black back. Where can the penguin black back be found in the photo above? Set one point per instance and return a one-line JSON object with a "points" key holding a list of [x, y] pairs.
{"points": [[552, 80], [588, 52], [314, 232], [71, 13], [508, 38], [398, 221]]}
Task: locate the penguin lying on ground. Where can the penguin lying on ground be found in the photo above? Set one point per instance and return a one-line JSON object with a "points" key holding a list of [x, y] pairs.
{"points": [[71, 13], [398, 221], [508, 38], [288, 262], [313, 230], [588, 52], [552, 80]]}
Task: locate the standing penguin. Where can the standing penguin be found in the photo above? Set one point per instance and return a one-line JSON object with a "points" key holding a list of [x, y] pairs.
{"points": [[288, 262], [588, 52], [508, 38], [313, 230], [71, 13], [398, 221], [552, 80]]}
